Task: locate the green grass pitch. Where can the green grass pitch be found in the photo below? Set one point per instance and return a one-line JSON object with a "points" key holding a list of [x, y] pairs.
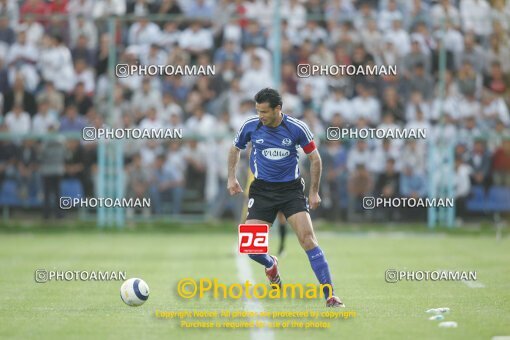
{"points": [[94, 310]]}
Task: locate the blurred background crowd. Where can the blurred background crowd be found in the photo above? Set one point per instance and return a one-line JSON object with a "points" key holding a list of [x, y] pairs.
{"points": [[56, 77]]}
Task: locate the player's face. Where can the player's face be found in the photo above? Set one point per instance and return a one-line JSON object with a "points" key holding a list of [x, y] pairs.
{"points": [[267, 115]]}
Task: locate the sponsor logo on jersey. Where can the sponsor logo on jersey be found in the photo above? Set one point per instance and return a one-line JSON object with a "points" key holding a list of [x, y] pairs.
{"points": [[259, 141], [275, 154], [286, 142]]}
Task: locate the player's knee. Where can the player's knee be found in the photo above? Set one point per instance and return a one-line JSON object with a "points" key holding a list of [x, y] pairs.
{"points": [[308, 241]]}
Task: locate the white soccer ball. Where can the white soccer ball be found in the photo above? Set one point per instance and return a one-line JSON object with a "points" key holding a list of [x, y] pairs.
{"points": [[134, 292]]}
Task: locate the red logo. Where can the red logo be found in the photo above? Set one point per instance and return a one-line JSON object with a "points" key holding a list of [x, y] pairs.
{"points": [[253, 238]]}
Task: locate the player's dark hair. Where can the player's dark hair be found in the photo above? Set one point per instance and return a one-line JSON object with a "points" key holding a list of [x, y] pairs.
{"points": [[270, 96]]}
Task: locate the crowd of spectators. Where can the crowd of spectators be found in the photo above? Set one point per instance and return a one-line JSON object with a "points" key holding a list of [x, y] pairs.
{"points": [[54, 77]]}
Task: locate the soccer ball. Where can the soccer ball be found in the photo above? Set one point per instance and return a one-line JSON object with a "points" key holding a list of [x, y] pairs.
{"points": [[134, 292]]}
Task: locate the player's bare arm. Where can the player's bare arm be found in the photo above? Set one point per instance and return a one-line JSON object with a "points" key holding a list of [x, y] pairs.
{"points": [[233, 185], [315, 173]]}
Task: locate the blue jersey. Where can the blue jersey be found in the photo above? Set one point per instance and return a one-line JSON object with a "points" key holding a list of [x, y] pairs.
{"points": [[274, 156]]}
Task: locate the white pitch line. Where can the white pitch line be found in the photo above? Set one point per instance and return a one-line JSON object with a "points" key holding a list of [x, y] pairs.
{"points": [[245, 274], [473, 284]]}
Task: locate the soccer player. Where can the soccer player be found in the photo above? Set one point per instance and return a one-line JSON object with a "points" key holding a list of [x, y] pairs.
{"points": [[277, 186]]}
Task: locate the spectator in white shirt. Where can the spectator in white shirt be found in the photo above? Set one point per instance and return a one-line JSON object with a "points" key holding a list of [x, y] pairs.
{"points": [[472, 52], [201, 124], [389, 54], [365, 105], [232, 30], [150, 151], [139, 7], [416, 103], [175, 122], [154, 55], [143, 32], [255, 78], [202, 9], [10, 9], [444, 132], [497, 51], [250, 53], [29, 74], [56, 64], [34, 30], [381, 154], [364, 15], [399, 37], [346, 35], [371, 37], [444, 11], [134, 81], [170, 35], [238, 117], [500, 13], [22, 51], [427, 41], [255, 9], [322, 55], [196, 39], [83, 7], [54, 98], [448, 105], [360, 154], [469, 106], [151, 120], [469, 132], [494, 108], [451, 38], [336, 103], [292, 102], [388, 124], [310, 117], [389, 15], [146, 97], [105, 8], [295, 13], [169, 108], [312, 32], [313, 90], [84, 74], [234, 96], [476, 17], [414, 12], [419, 123], [81, 26], [17, 120], [44, 119], [413, 155]]}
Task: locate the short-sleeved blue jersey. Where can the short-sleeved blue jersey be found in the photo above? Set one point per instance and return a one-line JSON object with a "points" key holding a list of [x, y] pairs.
{"points": [[274, 156]]}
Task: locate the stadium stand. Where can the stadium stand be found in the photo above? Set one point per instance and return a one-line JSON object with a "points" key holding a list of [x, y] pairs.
{"points": [[55, 78]]}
